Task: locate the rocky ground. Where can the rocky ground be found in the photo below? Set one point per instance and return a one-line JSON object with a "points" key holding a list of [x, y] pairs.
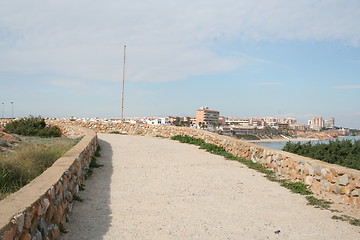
{"points": [[7, 141]]}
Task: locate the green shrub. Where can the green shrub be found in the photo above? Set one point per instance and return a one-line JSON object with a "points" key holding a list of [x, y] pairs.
{"points": [[32, 126], [345, 152]]}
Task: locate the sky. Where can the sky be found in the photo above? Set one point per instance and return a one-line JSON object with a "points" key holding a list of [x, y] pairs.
{"points": [[244, 58]]}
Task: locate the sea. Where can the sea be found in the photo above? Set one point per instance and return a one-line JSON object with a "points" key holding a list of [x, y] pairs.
{"points": [[280, 145]]}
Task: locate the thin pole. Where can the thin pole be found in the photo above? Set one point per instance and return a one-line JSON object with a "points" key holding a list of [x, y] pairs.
{"points": [[123, 85], [12, 109], [3, 110]]}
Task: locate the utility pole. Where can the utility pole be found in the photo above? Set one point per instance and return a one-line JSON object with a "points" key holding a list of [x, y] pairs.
{"points": [[123, 84]]}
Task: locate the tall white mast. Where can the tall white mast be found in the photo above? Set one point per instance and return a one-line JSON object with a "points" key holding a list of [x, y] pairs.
{"points": [[123, 84]]}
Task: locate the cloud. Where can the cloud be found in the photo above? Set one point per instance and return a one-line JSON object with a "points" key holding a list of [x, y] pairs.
{"points": [[268, 83], [167, 40], [348, 87]]}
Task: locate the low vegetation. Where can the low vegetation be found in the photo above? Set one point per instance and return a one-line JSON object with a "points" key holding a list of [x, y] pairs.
{"points": [[36, 148], [117, 132], [318, 203], [32, 126], [93, 163], [29, 159], [351, 220], [342, 152]]}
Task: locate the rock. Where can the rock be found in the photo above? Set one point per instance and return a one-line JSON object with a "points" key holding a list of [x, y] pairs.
{"points": [[46, 204], [333, 172], [316, 187], [20, 221], [26, 236], [278, 157], [325, 185], [55, 232], [355, 193], [331, 178], [43, 227], [37, 236], [317, 170], [343, 180], [332, 188], [324, 172], [309, 180], [28, 220]]}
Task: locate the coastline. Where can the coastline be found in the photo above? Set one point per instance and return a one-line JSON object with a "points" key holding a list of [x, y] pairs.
{"points": [[286, 140]]}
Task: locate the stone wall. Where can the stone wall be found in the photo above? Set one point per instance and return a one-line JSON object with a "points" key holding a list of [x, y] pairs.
{"points": [[38, 210], [320, 176]]}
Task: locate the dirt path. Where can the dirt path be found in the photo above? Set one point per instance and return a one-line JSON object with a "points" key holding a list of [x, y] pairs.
{"points": [[153, 188]]}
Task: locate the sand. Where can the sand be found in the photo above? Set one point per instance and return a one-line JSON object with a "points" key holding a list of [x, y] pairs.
{"points": [[153, 188]]}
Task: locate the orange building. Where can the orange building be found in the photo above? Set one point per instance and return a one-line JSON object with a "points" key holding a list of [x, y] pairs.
{"points": [[209, 117]]}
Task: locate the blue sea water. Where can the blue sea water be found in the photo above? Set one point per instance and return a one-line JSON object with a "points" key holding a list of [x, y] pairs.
{"points": [[280, 145]]}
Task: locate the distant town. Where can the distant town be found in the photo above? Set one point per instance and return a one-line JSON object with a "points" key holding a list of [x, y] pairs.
{"points": [[250, 128]]}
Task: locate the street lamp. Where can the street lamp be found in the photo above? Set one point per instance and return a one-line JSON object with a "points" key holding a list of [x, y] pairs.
{"points": [[12, 109], [3, 104]]}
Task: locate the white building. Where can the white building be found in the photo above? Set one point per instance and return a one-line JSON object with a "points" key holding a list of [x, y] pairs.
{"points": [[157, 121]]}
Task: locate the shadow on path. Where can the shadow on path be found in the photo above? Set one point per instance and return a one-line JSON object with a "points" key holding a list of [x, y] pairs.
{"points": [[95, 210]]}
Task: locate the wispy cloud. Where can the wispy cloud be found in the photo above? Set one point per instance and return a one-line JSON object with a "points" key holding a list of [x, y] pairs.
{"points": [[167, 41], [268, 83], [348, 87]]}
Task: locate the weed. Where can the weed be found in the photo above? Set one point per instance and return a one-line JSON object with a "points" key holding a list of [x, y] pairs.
{"points": [[117, 132], [62, 229], [345, 218], [94, 164], [97, 152], [82, 187], [159, 136], [78, 198], [318, 203], [297, 187], [88, 173]]}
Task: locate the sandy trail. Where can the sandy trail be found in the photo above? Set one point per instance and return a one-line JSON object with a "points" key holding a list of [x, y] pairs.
{"points": [[153, 188]]}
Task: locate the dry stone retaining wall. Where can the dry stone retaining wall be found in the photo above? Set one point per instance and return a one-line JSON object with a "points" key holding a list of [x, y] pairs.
{"points": [[320, 176], [38, 210]]}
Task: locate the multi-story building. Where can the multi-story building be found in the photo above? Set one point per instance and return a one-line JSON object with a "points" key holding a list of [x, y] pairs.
{"points": [[317, 123], [209, 117], [330, 123], [237, 121]]}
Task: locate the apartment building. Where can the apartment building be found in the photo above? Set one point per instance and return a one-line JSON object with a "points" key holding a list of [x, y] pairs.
{"points": [[209, 117]]}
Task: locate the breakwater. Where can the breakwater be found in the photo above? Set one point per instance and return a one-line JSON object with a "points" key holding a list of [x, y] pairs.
{"points": [[342, 182]]}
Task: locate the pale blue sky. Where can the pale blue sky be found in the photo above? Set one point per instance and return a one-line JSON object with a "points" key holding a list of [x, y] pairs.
{"points": [[244, 58]]}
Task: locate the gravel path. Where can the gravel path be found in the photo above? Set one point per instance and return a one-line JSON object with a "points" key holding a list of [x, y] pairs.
{"points": [[153, 188]]}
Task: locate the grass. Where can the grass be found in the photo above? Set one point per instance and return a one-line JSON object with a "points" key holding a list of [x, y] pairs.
{"points": [[82, 187], [345, 218], [160, 136], [117, 132], [78, 198], [62, 229], [318, 203], [93, 163], [297, 187], [33, 156]]}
